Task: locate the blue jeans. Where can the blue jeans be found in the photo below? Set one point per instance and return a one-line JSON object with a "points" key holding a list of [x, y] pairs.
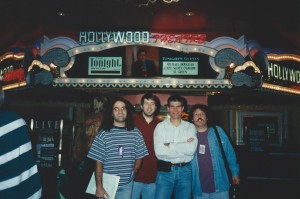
{"points": [[124, 192], [146, 190], [215, 195], [178, 179]]}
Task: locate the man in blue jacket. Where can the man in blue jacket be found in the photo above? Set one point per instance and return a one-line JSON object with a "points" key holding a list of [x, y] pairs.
{"points": [[210, 179]]}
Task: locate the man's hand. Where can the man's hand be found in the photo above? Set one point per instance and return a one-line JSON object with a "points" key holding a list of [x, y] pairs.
{"points": [[190, 140], [235, 180], [101, 193]]}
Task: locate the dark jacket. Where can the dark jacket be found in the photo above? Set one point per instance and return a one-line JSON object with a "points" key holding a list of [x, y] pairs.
{"points": [[137, 69]]}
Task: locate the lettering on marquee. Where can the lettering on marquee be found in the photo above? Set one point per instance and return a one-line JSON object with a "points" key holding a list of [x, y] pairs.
{"points": [[105, 66], [283, 73], [116, 37]]}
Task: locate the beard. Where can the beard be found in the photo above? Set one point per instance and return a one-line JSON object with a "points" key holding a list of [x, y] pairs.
{"points": [[147, 114]]}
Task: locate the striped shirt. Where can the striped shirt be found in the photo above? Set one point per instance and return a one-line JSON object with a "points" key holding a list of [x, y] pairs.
{"points": [[117, 150], [19, 177]]}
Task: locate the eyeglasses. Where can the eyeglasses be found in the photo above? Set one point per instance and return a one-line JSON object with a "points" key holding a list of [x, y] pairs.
{"points": [[117, 109]]}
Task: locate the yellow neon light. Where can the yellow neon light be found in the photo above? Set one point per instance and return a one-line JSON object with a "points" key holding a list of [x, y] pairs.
{"points": [[10, 55], [283, 57], [15, 85], [247, 64], [281, 88]]}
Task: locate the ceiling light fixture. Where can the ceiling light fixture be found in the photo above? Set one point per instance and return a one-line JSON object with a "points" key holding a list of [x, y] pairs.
{"points": [[154, 1], [189, 14], [170, 1], [61, 13]]}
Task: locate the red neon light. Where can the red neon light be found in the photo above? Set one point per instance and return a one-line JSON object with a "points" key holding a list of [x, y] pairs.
{"points": [[17, 74], [180, 38]]}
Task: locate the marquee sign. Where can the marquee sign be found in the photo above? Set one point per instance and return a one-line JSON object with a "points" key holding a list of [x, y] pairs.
{"points": [[283, 70], [136, 37], [112, 59]]}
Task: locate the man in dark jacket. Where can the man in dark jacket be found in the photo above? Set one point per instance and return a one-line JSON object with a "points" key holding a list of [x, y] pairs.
{"points": [[143, 67]]}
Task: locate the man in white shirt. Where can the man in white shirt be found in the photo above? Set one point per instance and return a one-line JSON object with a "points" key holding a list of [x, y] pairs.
{"points": [[175, 144]]}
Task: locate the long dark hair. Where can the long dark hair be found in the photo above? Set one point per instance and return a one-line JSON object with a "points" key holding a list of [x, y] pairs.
{"points": [[108, 121], [208, 112]]}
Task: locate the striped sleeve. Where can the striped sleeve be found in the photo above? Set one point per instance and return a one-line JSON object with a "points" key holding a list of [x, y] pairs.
{"points": [[19, 177], [98, 148]]}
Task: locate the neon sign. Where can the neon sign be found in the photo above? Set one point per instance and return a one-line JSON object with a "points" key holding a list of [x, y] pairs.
{"points": [[117, 37]]}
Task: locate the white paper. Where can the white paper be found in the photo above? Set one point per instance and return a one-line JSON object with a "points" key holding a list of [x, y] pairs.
{"points": [[110, 184]]}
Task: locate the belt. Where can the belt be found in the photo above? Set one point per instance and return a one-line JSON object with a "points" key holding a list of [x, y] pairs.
{"points": [[180, 164]]}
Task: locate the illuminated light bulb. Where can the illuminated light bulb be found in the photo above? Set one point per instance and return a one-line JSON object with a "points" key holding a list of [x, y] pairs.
{"points": [[189, 14], [53, 66], [231, 65]]}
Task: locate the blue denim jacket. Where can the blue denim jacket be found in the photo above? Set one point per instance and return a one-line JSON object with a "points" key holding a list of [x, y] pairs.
{"points": [[220, 175]]}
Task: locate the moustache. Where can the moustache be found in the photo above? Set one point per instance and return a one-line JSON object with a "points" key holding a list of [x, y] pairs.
{"points": [[199, 119]]}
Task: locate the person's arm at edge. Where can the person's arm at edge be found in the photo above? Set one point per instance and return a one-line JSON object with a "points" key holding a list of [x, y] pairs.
{"points": [[231, 157], [100, 191], [137, 166]]}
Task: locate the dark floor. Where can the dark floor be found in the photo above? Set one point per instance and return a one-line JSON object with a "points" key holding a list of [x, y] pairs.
{"points": [[270, 188], [270, 174], [266, 175]]}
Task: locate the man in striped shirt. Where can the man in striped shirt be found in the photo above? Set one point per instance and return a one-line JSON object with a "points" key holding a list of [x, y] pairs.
{"points": [[19, 177], [118, 149]]}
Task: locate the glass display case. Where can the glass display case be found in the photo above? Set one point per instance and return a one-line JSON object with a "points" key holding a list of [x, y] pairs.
{"points": [[259, 130]]}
